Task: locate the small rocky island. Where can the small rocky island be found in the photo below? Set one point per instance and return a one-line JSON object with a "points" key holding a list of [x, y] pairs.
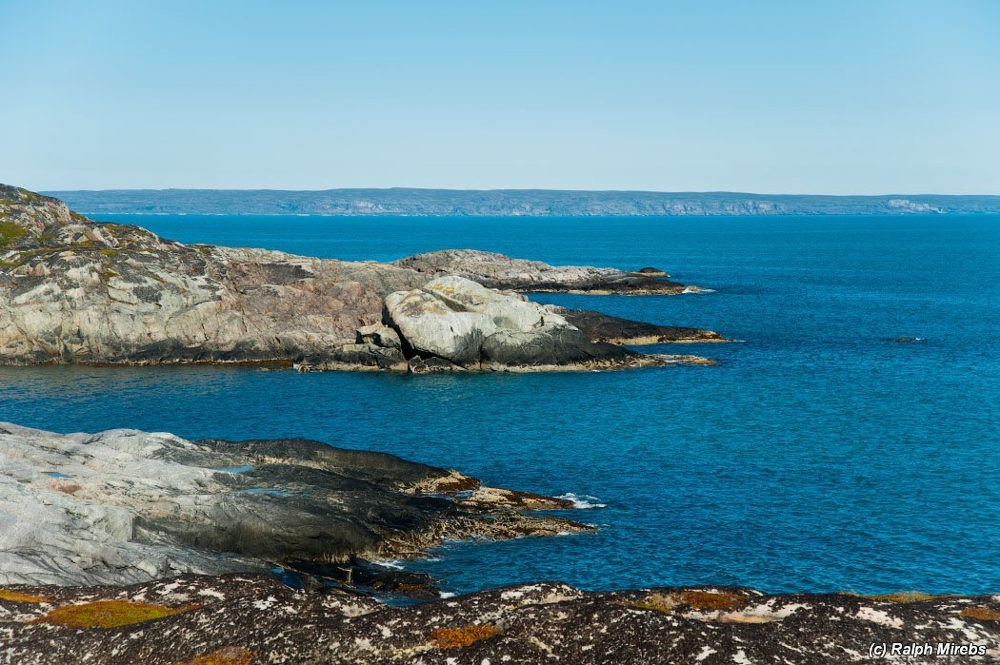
{"points": [[77, 291]]}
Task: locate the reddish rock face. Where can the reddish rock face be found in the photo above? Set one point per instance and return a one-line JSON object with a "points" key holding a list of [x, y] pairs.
{"points": [[77, 291]]}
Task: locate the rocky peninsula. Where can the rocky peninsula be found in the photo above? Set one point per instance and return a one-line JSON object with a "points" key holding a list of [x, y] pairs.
{"points": [[125, 506], [73, 290]]}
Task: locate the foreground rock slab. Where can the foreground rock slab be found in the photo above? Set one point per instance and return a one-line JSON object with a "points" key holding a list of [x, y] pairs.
{"points": [[125, 506], [241, 619]]}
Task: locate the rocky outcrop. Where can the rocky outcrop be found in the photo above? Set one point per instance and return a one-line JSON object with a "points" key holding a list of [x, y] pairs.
{"points": [[77, 291], [502, 272], [235, 620], [471, 326], [125, 506]]}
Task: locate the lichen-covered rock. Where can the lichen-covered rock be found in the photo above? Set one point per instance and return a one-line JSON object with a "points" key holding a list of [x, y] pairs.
{"points": [[125, 506], [254, 619]]}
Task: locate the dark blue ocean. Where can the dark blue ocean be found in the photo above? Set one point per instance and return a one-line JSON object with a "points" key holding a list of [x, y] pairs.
{"points": [[820, 455]]}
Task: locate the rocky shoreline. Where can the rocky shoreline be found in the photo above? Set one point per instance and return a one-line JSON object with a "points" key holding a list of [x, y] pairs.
{"points": [[73, 290], [124, 506]]}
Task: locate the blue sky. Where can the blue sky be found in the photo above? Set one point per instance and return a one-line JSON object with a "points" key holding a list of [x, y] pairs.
{"points": [[842, 97]]}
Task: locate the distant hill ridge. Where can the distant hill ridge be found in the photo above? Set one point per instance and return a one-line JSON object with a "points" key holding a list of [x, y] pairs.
{"points": [[508, 202]]}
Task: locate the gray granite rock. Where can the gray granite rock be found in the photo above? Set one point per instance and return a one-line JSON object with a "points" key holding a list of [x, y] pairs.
{"points": [[125, 506], [470, 326]]}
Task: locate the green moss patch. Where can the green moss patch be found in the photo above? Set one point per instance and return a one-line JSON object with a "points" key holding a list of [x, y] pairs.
{"points": [[10, 232], [109, 614], [903, 597], [18, 597], [707, 601]]}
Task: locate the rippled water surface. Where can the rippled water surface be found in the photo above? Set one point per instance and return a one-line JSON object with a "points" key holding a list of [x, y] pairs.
{"points": [[819, 456]]}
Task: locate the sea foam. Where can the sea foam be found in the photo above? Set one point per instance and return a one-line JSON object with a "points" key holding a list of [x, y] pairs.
{"points": [[583, 501]]}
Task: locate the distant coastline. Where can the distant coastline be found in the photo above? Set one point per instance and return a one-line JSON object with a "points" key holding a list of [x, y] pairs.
{"points": [[509, 203]]}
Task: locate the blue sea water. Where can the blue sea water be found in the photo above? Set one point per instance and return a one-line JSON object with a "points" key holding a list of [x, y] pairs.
{"points": [[820, 455]]}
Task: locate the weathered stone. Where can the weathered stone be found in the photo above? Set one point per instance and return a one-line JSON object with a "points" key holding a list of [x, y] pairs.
{"points": [[468, 324], [363, 355], [125, 506], [431, 365], [379, 335]]}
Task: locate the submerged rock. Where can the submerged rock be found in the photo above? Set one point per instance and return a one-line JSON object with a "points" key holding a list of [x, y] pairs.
{"points": [[254, 619], [77, 291], [125, 506]]}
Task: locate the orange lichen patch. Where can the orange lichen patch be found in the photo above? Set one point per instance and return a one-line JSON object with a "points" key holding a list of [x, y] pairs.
{"points": [[713, 600], [981, 613], [18, 597], [109, 614], [695, 600], [903, 597], [456, 638], [66, 488], [223, 656]]}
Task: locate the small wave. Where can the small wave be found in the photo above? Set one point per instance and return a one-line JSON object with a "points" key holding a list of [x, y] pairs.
{"points": [[583, 501], [697, 289], [446, 594], [394, 565]]}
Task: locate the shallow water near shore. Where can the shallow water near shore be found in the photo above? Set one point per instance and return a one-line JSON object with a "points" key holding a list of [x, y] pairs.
{"points": [[824, 453]]}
